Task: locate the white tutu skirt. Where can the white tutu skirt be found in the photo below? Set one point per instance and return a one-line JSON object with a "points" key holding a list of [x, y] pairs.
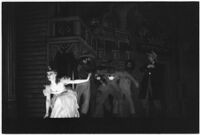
{"points": [[65, 105]]}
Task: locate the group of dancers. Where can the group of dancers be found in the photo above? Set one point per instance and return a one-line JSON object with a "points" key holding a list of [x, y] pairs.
{"points": [[113, 97]]}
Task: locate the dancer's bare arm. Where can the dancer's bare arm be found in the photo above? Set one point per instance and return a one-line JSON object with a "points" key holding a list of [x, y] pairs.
{"points": [[46, 92], [47, 106], [78, 81]]}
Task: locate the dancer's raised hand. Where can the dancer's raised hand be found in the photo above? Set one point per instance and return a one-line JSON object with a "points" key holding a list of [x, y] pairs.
{"points": [[89, 75]]}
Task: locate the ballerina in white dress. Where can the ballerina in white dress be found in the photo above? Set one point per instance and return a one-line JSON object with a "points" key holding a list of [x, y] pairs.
{"points": [[64, 102]]}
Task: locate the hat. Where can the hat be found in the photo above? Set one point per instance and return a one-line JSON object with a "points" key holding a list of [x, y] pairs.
{"points": [[152, 54]]}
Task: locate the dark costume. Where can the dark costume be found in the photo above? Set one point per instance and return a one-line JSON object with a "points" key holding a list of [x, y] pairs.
{"points": [[152, 83], [86, 90]]}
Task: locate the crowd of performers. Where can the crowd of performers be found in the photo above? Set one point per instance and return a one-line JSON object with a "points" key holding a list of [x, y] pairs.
{"points": [[107, 92]]}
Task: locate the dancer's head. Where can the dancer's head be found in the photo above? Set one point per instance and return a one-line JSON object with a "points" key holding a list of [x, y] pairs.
{"points": [[152, 56], [129, 65], [51, 75]]}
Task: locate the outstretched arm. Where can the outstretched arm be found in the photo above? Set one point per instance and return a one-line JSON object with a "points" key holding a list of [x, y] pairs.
{"points": [[125, 74], [78, 81], [132, 79]]}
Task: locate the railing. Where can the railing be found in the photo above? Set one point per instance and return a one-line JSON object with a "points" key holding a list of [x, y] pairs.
{"points": [[109, 38]]}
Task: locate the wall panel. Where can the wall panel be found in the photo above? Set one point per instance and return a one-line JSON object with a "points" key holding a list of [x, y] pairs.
{"points": [[31, 57]]}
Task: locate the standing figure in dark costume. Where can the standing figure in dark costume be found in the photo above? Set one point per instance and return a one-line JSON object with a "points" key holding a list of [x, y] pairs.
{"points": [[151, 86], [84, 90]]}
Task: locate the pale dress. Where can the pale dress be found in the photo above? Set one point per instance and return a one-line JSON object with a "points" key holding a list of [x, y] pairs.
{"points": [[65, 105], [64, 102]]}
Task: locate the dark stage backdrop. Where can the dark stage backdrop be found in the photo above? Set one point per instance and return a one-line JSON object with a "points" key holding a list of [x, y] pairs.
{"points": [[31, 58]]}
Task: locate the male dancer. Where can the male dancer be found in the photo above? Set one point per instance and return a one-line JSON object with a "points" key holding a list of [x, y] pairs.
{"points": [[151, 85]]}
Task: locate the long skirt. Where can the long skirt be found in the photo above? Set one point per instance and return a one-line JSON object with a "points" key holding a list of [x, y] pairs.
{"points": [[65, 105]]}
